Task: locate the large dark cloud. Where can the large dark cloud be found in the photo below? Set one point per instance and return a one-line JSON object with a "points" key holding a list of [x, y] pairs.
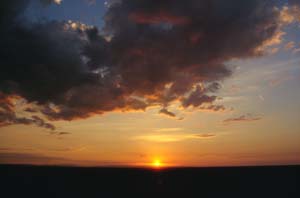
{"points": [[153, 53]]}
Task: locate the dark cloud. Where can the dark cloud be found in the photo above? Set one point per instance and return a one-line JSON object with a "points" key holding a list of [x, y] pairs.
{"points": [[43, 68], [242, 118], [296, 8], [8, 115], [27, 158], [64, 133], [30, 110], [206, 135], [7, 119], [294, 2], [152, 53], [294, 11], [167, 113], [40, 159], [214, 108], [197, 98]]}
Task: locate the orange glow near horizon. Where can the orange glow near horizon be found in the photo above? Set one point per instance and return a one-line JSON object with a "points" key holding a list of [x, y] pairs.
{"points": [[157, 163]]}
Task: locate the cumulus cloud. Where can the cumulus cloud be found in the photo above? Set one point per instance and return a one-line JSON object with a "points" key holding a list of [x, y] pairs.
{"points": [[169, 138], [290, 13], [158, 52]]}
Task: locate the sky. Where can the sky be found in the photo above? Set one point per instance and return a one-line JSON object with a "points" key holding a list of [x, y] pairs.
{"points": [[131, 83]]}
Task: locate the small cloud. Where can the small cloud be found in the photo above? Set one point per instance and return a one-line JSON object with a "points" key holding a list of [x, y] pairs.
{"points": [[47, 2], [198, 98], [167, 113], [286, 15], [173, 138], [280, 80], [30, 110], [213, 108], [91, 2], [180, 119], [289, 45], [206, 135], [142, 155], [273, 51], [59, 134], [64, 133], [57, 1], [261, 98], [235, 89], [296, 50], [292, 13], [168, 129], [242, 118]]}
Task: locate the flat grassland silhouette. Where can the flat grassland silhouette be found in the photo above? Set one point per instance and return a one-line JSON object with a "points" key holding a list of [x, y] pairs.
{"points": [[74, 182]]}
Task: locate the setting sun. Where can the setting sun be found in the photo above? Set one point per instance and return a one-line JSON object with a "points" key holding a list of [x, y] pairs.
{"points": [[157, 163]]}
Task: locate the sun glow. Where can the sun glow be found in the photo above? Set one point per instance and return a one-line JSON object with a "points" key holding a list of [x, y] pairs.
{"points": [[156, 163]]}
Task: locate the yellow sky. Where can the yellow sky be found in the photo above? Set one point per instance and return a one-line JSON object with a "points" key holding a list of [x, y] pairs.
{"points": [[138, 138]]}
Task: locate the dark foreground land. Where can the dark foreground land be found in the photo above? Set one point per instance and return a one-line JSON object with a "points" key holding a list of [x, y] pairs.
{"points": [[254, 182]]}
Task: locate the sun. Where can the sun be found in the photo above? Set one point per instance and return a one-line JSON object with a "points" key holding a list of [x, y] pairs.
{"points": [[156, 163]]}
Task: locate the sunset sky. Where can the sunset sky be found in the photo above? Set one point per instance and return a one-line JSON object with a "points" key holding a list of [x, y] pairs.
{"points": [[134, 82]]}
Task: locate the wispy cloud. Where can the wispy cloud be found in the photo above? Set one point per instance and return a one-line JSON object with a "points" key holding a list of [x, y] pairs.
{"points": [[242, 118], [290, 45], [280, 80], [173, 138], [205, 135], [39, 159], [58, 133], [168, 129], [27, 158], [91, 2]]}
